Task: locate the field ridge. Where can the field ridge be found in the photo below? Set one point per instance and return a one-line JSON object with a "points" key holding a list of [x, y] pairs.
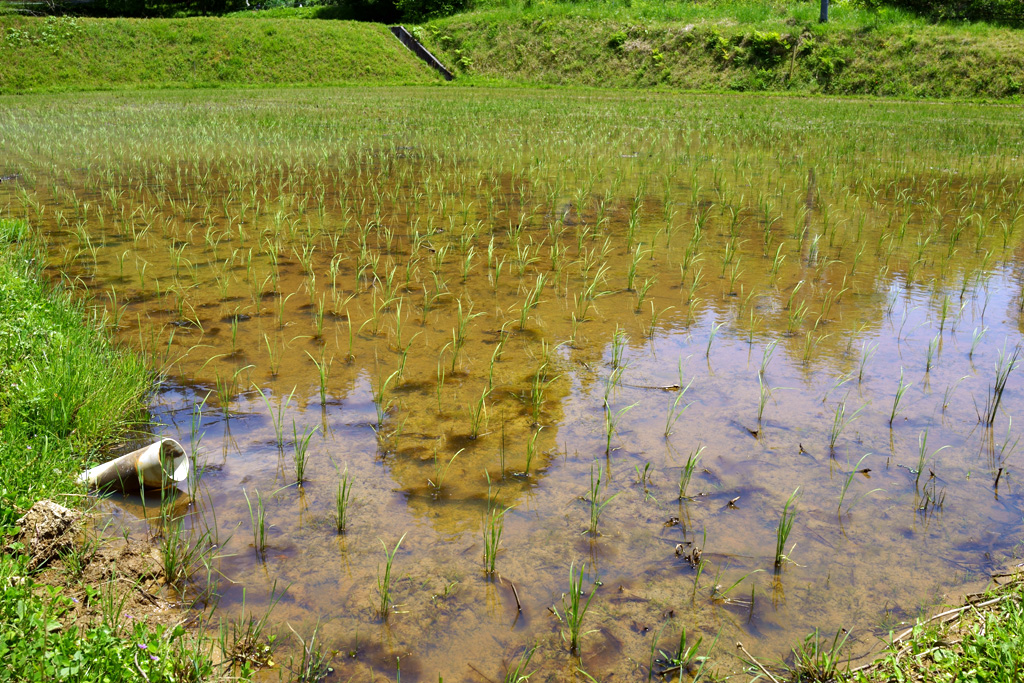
{"points": [[69, 53]]}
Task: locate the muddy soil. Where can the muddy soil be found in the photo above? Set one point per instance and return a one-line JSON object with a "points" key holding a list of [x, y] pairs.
{"points": [[97, 572]]}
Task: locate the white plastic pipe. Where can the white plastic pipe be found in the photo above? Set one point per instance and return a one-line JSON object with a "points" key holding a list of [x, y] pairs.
{"points": [[161, 464]]}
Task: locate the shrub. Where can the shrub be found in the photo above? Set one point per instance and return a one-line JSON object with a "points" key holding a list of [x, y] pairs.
{"points": [[617, 39], [826, 62], [767, 48]]}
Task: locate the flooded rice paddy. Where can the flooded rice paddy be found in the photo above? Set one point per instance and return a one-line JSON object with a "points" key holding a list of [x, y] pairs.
{"points": [[524, 334]]}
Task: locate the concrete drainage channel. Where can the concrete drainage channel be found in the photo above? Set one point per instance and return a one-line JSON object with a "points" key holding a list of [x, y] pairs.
{"points": [[423, 53]]}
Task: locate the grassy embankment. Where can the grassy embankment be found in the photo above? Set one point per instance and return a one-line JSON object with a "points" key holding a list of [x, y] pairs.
{"points": [[65, 391], [713, 45], [69, 53], [739, 46]]}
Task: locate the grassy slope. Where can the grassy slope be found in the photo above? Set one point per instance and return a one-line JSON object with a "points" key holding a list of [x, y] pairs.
{"points": [[76, 53], [714, 45], [860, 54]]}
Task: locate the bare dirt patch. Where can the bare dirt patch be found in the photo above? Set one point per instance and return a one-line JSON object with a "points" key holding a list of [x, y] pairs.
{"points": [[98, 574]]}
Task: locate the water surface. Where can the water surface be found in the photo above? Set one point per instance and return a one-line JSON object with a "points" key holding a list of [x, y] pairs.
{"points": [[482, 301]]}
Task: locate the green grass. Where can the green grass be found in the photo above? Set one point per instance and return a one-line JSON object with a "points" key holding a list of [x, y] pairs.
{"points": [[67, 53], [65, 391], [979, 643], [730, 47], [35, 646]]}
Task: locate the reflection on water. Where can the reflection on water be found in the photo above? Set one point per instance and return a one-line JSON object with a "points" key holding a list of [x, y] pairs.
{"points": [[473, 303]]}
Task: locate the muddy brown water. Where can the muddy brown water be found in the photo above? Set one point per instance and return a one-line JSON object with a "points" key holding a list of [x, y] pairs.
{"points": [[331, 267]]}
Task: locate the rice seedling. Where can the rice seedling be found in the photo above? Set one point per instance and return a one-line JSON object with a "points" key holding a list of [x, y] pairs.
{"points": [[933, 346], [441, 468], [596, 501], [273, 356], [532, 300], [439, 385], [764, 393], [539, 383], [655, 316], [618, 346], [857, 469], [519, 673], [686, 473], [459, 332], [384, 580], [467, 263], [258, 519], [574, 609], [227, 388], [944, 313], [766, 357], [342, 502], [734, 274], [922, 456], [381, 401], [784, 528], [319, 310], [796, 317], [682, 658], [379, 307], [643, 478], [611, 422], [674, 411], [182, 552], [867, 351], [276, 416], [638, 255], [531, 451], [590, 292], [503, 335], [300, 458], [490, 368], [711, 337], [494, 527], [976, 337], [1004, 366], [901, 389], [478, 415], [404, 357], [839, 423], [282, 301], [792, 295]]}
